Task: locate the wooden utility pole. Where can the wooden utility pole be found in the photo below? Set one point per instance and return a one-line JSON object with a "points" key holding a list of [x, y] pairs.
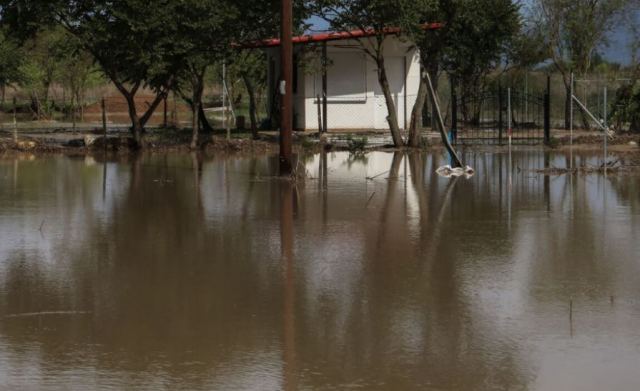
{"points": [[286, 88], [165, 122], [104, 122], [15, 121]]}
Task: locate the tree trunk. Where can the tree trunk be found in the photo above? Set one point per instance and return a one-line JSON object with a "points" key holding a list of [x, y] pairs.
{"points": [[204, 121], [392, 118], [47, 87], [195, 123], [252, 105], [433, 68], [38, 106], [196, 98], [585, 119], [73, 112], [136, 123], [634, 127], [567, 107], [416, 113], [152, 108], [81, 102]]}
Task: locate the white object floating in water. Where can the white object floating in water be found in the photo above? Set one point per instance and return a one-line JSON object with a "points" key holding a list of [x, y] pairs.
{"points": [[449, 172]]}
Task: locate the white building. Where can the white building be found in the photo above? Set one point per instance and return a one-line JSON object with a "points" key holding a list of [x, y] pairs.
{"points": [[354, 97]]}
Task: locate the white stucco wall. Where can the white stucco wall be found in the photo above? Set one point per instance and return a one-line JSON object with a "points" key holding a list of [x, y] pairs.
{"points": [[355, 99]]}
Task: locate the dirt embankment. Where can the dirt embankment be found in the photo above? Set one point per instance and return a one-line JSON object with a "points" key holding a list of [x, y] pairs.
{"points": [[118, 110], [173, 139], [125, 144], [629, 139]]}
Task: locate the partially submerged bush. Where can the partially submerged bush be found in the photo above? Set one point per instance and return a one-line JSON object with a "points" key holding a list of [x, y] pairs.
{"points": [[357, 144], [306, 142], [553, 142]]}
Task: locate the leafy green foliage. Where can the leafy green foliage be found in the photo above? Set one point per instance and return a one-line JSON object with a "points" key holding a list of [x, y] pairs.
{"points": [[357, 144], [574, 29], [11, 58], [476, 36]]}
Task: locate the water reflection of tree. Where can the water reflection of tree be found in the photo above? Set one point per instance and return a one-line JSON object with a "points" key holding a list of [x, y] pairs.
{"points": [[407, 319], [289, 317], [218, 279], [159, 282]]}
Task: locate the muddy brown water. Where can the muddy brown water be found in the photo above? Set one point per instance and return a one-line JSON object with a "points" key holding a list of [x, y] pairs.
{"points": [[179, 272]]}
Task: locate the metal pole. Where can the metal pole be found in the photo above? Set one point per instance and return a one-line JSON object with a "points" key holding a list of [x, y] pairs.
{"points": [[15, 121], [454, 113], [509, 119], [547, 112], [510, 185], [324, 87], [174, 112], [434, 98], [104, 122], [404, 97], [319, 105], [571, 111], [286, 87], [526, 100], [589, 114], [165, 122], [225, 121], [500, 117], [571, 124], [606, 133]]}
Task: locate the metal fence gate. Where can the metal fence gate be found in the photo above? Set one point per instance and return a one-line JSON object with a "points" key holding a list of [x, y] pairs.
{"points": [[484, 118]]}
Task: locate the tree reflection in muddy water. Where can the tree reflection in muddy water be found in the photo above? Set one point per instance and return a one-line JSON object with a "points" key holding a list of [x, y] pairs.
{"points": [[196, 272]]}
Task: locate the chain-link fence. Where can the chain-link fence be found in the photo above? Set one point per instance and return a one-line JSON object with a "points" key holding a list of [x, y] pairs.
{"points": [[26, 112], [484, 110]]}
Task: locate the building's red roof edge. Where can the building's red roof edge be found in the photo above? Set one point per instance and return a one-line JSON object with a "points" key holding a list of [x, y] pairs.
{"points": [[335, 36]]}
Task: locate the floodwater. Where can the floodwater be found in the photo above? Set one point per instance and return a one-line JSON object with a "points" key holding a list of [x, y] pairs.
{"points": [[180, 272]]}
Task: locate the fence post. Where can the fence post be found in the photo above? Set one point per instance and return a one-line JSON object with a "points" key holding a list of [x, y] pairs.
{"points": [[606, 128], [547, 112], [454, 113], [500, 121], [74, 110], [174, 112], [165, 118], [509, 117], [325, 64], [15, 121], [571, 114], [104, 121], [319, 106]]}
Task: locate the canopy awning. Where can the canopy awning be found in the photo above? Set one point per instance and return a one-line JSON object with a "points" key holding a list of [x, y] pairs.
{"points": [[336, 36]]}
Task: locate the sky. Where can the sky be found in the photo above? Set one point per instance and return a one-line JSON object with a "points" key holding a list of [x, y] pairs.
{"points": [[616, 50]]}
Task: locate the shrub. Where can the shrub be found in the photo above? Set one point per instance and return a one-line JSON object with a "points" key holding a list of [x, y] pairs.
{"points": [[553, 142], [357, 144]]}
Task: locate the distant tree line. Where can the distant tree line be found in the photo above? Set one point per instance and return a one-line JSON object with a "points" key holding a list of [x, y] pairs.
{"points": [[170, 46]]}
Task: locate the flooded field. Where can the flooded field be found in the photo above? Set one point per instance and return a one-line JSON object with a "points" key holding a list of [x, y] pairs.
{"points": [[180, 272]]}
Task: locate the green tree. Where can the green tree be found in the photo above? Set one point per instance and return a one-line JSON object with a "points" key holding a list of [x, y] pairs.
{"points": [[574, 29], [376, 16], [77, 73], [205, 39], [473, 41], [132, 41], [41, 66], [260, 19], [11, 60], [250, 66]]}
